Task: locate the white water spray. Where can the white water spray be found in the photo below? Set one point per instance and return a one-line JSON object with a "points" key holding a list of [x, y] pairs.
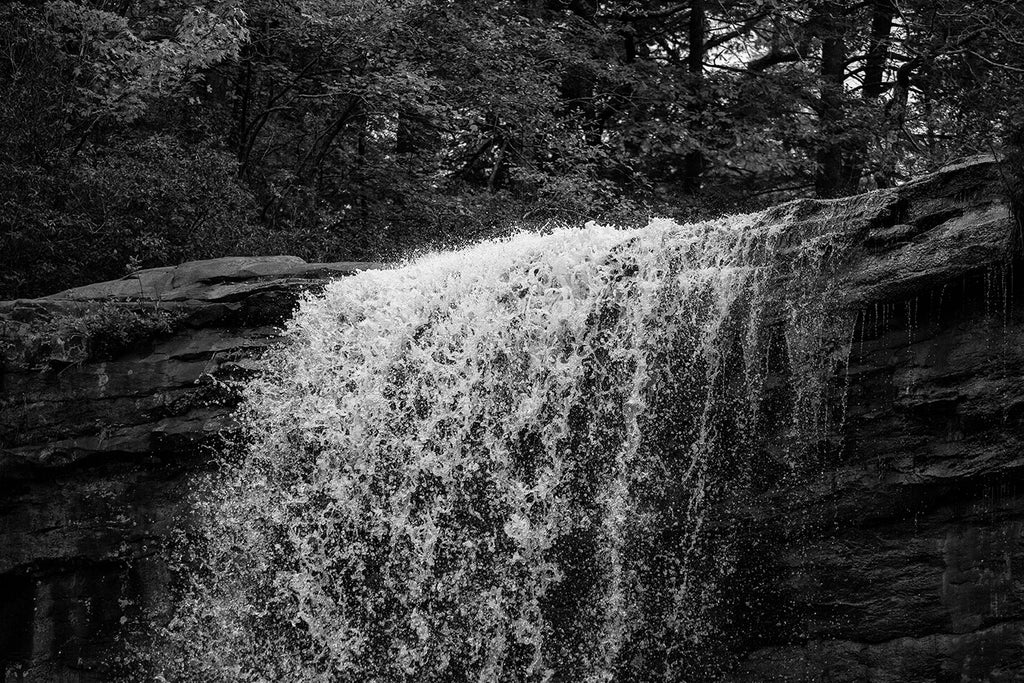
{"points": [[500, 464]]}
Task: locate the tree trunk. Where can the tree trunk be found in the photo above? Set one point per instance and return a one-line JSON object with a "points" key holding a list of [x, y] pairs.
{"points": [[882, 13], [695, 163], [833, 176], [896, 117]]}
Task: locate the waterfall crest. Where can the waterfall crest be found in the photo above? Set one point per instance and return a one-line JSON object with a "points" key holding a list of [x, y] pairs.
{"points": [[510, 462]]}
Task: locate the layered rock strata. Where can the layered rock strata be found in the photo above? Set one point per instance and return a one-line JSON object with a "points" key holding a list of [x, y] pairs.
{"points": [[113, 397], [899, 556]]}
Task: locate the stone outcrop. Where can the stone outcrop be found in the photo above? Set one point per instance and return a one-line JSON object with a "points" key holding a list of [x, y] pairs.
{"points": [[112, 398], [898, 557]]}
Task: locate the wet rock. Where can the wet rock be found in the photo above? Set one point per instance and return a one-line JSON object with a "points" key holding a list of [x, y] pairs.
{"points": [[901, 553], [899, 556], [100, 442]]}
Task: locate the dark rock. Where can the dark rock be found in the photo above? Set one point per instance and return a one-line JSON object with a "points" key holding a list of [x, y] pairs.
{"points": [[98, 453], [898, 557], [902, 554]]}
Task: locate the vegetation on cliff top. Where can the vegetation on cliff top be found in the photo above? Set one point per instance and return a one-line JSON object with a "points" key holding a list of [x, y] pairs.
{"points": [[102, 333], [142, 134]]}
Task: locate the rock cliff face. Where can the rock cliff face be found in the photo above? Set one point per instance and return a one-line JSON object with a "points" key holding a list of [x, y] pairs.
{"points": [[898, 557], [111, 401]]}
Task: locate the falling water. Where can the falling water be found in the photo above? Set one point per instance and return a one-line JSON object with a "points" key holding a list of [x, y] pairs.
{"points": [[502, 463]]}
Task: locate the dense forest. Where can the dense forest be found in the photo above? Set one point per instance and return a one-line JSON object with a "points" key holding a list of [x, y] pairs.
{"points": [[136, 134]]}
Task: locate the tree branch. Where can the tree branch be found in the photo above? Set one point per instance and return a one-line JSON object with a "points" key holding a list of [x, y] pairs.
{"points": [[747, 26]]}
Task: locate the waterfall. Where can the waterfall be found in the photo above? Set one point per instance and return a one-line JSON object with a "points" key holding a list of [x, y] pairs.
{"points": [[513, 462]]}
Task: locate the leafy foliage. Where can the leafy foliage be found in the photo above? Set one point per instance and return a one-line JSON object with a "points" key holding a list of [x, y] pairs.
{"points": [[362, 129], [141, 203], [100, 334]]}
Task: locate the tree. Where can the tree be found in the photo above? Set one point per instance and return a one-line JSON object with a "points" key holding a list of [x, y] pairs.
{"points": [[370, 129]]}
